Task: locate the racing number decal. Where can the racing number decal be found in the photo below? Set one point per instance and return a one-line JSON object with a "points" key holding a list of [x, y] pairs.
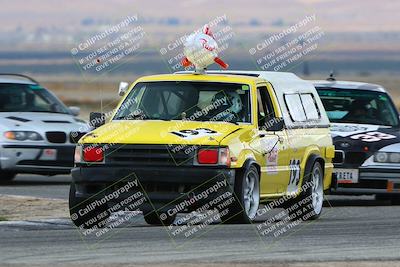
{"points": [[198, 132], [372, 136], [294, 178]]}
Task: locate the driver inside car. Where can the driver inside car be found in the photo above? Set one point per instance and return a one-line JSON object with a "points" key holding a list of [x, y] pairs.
{"points": [[360, 109], [227, 107]]}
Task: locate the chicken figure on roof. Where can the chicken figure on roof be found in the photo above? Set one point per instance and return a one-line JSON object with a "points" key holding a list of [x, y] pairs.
{"points": [[200, 50]]}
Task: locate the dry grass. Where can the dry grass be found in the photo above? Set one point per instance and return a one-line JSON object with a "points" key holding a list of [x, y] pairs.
{"points": [[31, 208]]}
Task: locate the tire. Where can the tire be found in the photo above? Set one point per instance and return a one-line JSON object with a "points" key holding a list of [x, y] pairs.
{"points": [[306, 209], [247, 197], [152, 218], [6, 176], [82, 221]]}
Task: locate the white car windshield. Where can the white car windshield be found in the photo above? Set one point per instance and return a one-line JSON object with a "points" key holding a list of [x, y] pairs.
{"points": [[16, 97]]}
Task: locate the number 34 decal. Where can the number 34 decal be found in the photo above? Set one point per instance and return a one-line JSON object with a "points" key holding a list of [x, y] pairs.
{"points": [[372, 136]]}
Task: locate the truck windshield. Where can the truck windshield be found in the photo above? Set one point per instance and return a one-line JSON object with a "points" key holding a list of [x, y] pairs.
{"points": [[187, 100], [359, 106], [16, 97]]}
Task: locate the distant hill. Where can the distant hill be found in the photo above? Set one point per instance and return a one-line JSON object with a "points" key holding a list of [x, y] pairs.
{"points": [[251, 15]]}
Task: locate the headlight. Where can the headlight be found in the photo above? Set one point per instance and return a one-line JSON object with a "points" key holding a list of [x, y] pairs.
{"points": [[23, 135], [387, 157]]}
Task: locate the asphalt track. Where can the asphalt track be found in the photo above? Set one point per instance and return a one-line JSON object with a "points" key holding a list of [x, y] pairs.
{"points": [[350, 229]]}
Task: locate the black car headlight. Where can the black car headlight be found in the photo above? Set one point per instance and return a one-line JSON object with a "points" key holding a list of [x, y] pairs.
{"points": [[387, 157], [23, 135]]}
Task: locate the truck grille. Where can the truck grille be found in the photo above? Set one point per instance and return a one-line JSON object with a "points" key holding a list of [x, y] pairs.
{"points": [[145, 155]]}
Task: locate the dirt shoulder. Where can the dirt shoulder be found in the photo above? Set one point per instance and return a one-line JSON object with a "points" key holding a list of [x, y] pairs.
{"points": [[31, 208]]}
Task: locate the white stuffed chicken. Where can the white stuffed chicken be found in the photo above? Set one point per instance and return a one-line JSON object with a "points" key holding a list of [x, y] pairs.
{"points": [[200, 50]]}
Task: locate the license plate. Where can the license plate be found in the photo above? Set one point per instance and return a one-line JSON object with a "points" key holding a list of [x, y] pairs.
{"points": [[49, 154], [346, 176]]}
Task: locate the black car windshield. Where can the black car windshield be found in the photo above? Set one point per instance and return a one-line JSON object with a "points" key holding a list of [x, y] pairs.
{"points": [[16, 97], [187, 100], [359, 106]]}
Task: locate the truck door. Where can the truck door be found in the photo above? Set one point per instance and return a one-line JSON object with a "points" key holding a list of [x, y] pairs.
{"points": [[273, 143]]}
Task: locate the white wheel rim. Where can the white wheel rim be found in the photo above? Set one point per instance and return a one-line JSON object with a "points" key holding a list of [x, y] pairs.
{"points": [[317, 190], [251, 195]]}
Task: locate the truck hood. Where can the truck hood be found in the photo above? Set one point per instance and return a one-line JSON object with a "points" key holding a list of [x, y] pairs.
{"points": [[161, 132]]}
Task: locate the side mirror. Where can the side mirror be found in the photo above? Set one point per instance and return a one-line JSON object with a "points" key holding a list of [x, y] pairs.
{"points": [[97, 119], [275, 124], [75, 110], [123, 87]]}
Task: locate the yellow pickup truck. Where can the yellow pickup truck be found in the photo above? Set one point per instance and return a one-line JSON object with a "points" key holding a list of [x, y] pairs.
{"points": [[186, 141]]}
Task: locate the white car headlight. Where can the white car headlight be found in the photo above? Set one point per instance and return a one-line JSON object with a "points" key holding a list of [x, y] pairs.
{"points": [[387, 157], [23, 135], [394, 157]]}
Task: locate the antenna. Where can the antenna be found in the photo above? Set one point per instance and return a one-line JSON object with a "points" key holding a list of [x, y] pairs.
{"points": [[331, 77]]}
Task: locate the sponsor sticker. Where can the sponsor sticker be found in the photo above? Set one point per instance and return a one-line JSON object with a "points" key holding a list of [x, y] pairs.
{"points": [[272, 160]]}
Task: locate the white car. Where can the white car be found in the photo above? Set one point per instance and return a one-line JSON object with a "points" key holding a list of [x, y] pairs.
{"points": [[37, 131]]}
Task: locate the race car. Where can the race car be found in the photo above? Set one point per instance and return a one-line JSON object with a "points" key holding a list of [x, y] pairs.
{"points": [[366, 134], [194, 141], [37, 131]]}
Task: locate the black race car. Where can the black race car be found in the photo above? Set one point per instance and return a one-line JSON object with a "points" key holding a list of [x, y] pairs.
{"points": [[366, 134]]}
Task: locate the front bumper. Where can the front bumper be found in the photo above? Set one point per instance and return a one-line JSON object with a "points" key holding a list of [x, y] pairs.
{"points": [[162, 186], [20, 158], [372, 180]]}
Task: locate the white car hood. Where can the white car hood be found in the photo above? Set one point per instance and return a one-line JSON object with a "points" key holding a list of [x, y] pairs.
{"points": [[40, 122]]}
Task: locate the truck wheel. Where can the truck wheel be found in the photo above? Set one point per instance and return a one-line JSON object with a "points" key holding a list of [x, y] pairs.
{"points": [[247, 196], [153, 219], [6, 176], [309, 202], [95, 218]]}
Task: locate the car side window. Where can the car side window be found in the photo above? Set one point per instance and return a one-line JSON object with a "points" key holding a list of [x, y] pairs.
{"points": [[295, 107], [310, 107], [265, 107]]}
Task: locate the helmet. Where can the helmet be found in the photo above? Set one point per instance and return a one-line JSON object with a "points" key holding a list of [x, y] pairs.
{"points": [[236, 102], [228, 101]]}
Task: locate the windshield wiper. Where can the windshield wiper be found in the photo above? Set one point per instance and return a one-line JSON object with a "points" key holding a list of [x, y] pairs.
{"points": [[44, 111], [234, 122], [131, 117]]}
